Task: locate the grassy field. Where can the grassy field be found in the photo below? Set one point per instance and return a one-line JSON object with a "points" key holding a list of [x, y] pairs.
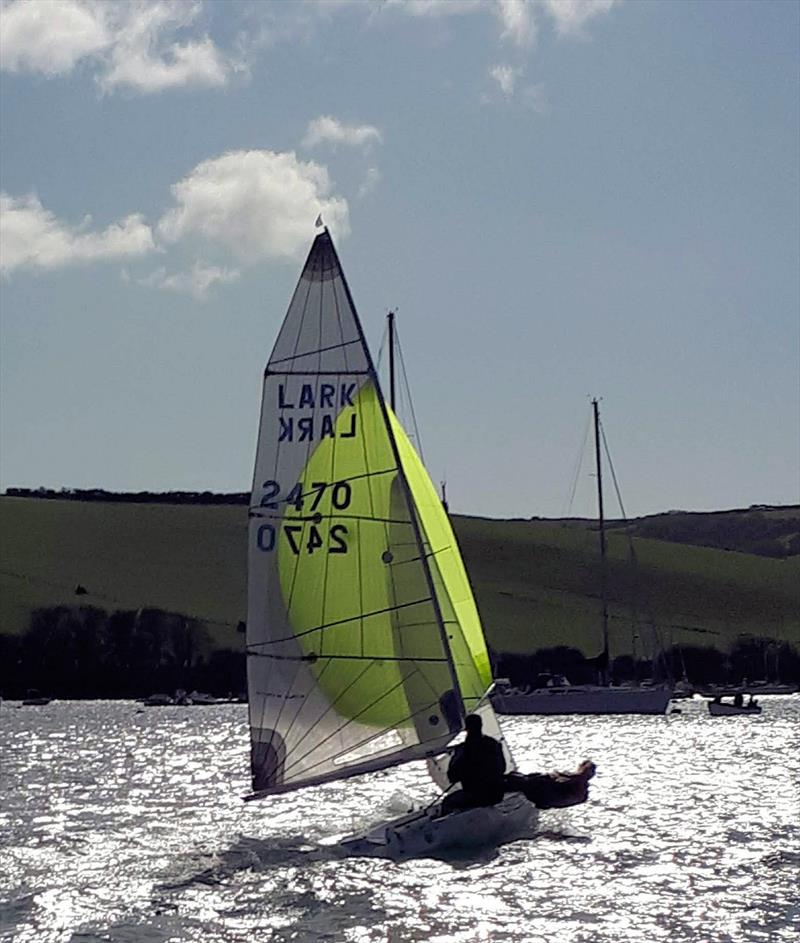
{"points": [[536, 582]]}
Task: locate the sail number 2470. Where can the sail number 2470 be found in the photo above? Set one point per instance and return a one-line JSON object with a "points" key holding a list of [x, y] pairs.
{"points": [[307, 536]]}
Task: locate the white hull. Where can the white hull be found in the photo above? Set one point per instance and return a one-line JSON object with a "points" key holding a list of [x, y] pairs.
{"points": [[423, 834], [584, 699], [730, 710]]}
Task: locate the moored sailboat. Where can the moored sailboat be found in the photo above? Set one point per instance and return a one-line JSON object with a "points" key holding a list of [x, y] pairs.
{"points": [[365, 649], [602, 698]]}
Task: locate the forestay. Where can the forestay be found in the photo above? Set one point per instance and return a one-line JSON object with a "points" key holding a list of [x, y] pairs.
{"points": [[364, 644]]}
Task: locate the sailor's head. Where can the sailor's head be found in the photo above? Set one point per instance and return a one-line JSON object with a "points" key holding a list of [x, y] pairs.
{"points": [[473, 725]]}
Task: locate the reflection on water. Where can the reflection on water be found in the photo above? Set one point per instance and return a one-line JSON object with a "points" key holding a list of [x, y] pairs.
{"points": [[118, 824]]}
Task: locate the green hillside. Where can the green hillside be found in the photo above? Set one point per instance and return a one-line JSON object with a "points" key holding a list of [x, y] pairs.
{"points": [[536, 582]]}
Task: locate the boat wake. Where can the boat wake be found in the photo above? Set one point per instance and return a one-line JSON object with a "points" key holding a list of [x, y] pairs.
{"points": [[247, 854]]}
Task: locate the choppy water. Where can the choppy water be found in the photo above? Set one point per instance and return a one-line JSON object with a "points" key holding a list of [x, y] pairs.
{"points": [[119, 824]]}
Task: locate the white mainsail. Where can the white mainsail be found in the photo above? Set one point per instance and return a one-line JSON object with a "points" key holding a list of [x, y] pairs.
{"points": [[364, 643]]}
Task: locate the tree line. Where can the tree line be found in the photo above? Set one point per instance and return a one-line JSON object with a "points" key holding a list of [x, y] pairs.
{"points": [[131, 497], [85, 652]]}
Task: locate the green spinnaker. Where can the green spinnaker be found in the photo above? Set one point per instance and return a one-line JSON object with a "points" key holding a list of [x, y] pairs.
{"points": [[356, 590]]}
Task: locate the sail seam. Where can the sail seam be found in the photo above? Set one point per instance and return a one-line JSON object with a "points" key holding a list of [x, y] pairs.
{"points": [[328, 625], [317, 518], [331, 706], [318, 373], [364, 710], [422, 659], [310, 353]]}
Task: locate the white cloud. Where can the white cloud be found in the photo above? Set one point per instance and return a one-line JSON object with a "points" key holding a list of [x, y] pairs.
{"points": [[257, 204], [570, 15], [434, 7], [130, 44], [196, 282], [506, 77], [517, 19], [535, 98], [146, 57], [371, 180], [328, 130], [50, 37], [32, 237]]}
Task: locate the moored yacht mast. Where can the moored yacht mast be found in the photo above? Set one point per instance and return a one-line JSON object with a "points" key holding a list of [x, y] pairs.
{"points": [[604, 674], [390, 319]]}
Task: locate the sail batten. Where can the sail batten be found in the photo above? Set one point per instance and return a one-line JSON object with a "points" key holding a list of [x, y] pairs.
{"points": [[360, 635]]}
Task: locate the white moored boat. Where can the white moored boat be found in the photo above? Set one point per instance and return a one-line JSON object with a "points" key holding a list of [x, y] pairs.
{"points": [[583, 699], [364, 645]]}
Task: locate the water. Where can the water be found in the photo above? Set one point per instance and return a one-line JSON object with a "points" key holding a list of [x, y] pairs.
{"points": [[123, 824]]}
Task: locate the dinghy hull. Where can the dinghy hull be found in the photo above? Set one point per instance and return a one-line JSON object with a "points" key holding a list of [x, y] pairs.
{"points": [[426, 834]]}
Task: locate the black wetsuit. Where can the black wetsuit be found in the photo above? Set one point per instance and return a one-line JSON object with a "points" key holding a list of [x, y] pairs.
{"points": [[479, 765]]}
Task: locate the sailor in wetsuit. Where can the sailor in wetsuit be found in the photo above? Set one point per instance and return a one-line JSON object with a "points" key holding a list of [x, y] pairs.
{"points": [[479, 765]]}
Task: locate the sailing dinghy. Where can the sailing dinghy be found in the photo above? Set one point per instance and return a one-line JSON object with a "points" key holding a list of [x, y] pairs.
{"points": [[365, 648]]}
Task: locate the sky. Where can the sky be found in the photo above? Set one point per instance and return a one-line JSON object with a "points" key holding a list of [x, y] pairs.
{"points": [[560, 198]]}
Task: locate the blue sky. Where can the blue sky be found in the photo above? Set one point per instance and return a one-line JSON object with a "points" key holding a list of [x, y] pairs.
{"points": [[561, 199]]}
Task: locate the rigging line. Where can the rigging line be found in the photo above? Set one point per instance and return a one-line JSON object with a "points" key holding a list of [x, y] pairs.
{"points": [[348, 479], [401, 683], [410, 400], [381, 347], [613, 473], [317, 518], [310, 353], [657, 640], [578, 465], [328, 625], [626, 523]]}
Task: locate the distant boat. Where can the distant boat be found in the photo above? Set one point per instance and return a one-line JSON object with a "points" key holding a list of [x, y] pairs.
{"points": [[719, 708], [751, 687], [770, 687], [603, 698], [200, 698], [158, 700], [365, 648], [36, 701]]}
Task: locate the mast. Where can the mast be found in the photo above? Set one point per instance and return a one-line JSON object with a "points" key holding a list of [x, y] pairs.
{"points": [[602, 531], [390, 318]]}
